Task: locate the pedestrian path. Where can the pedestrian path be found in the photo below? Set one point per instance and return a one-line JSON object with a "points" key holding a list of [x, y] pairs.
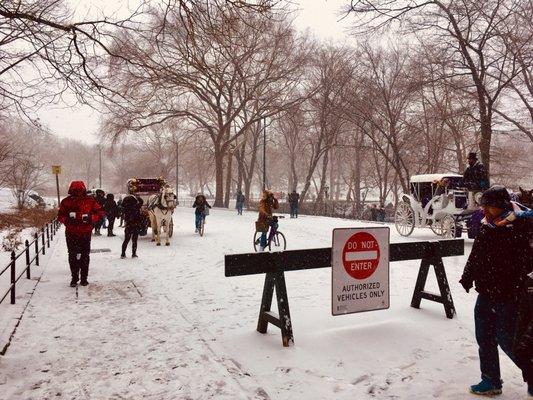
{"points": [[113, 340]]}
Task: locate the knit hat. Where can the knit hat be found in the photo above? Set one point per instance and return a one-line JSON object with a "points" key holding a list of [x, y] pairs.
{"points": [[496, 196], [472, 156]]}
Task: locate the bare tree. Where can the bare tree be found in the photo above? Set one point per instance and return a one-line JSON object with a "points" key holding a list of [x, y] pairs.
{"points": [[477, 46], [208, 69]]}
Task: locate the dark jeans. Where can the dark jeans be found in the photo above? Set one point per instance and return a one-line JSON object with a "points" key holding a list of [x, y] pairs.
{"points": [[198, 219], [495, 326], [111, 224], [78, 248], [131, 232], [239, 208], [294, 210]]}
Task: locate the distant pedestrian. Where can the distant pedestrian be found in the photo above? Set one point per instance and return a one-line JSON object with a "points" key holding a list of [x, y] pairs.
{"points": [[120, 214], [294, 200], [240, 202], [133, 219], [78, 212], [374, 213], [100, 199], [111, 210], [500, 259], [380, 216]]}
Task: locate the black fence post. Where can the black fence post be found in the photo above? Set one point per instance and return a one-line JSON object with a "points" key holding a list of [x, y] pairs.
{"points": [[52, 231], [13, 277], [27, 250], [47, 236], [36, 248], [42, 237]]}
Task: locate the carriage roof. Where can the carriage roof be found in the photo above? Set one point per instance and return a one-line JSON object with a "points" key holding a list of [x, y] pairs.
{"points": [[145, 186], [428, 178]]}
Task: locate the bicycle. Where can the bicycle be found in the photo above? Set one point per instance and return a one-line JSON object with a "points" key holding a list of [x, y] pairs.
{"points": [[276, 240]]}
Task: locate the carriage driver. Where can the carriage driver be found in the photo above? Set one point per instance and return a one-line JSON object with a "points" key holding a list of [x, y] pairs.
{"points": [[476, 179]]}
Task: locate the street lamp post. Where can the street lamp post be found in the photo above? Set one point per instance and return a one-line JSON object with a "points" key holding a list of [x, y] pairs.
{"points": [[177, 169], [264, 153], [100, 166]]}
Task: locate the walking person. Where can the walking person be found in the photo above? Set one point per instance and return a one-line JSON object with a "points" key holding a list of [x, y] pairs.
{"points": [[133, 219], [266, 205], [240, 202], [500, 259], [78, 212], [100, 199], [120, 214], [111, 210], [294, 199], [200, 203]]}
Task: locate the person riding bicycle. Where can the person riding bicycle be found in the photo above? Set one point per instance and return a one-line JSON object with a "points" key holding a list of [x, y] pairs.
{"points": [[266, 205], [200, 203]]}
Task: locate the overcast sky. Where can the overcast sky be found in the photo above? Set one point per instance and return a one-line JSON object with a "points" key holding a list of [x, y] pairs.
{"points": [[81, 122]]}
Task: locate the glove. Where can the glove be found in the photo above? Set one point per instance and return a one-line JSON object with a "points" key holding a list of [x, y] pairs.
{"points": [[72, 217], [467, 285]]}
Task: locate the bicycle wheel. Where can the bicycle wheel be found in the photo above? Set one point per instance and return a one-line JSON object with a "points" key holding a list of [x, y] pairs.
{"points": [[257, 238], [278, 242]]}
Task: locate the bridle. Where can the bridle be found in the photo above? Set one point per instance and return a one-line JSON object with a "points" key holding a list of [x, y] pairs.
{"points": [[169, 204]]}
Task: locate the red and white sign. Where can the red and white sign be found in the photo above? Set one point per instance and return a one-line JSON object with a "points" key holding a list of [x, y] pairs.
{"points": [[360, 255], [360, 270]]}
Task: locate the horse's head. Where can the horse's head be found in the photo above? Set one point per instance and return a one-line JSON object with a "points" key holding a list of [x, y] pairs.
{"points": [[525, 197], [168, 198]]}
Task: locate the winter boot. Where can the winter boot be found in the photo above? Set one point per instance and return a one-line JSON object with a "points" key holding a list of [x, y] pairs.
{"points": [[73, 283], [134, 255], [486, 388], [123, 255], [84, 283]]}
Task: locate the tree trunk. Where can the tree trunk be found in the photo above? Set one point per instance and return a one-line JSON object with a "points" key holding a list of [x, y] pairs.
{"points": [[228, 180], [219, 177]]}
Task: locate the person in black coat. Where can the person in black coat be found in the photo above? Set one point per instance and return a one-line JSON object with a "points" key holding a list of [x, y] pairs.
{"points": [[100, 199], [523, 345], [475, 177], [111, 210], [500, 259], [133, 219], [294, 199]]}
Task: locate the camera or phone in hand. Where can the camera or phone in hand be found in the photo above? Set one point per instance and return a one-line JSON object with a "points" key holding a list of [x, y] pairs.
{"points": [[77, 218]]}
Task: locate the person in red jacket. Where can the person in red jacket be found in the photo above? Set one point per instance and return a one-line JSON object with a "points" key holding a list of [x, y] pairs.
{"points": [[78, 212]]}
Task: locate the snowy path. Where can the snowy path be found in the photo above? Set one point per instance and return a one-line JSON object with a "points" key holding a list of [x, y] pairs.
{"points": [[170, 326]]}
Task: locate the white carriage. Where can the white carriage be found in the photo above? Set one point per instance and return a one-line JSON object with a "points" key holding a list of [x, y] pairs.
{"points": [[436, 201]]}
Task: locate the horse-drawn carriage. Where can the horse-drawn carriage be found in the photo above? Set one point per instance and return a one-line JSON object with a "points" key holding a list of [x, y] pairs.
{"points": [[437, 201], [159, 202]]}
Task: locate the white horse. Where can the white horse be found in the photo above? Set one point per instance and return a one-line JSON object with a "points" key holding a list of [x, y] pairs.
{"points": [[161, 207]]}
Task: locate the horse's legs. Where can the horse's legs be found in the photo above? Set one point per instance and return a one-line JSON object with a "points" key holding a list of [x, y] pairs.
{"points": [[153, 226], [158, 234]]}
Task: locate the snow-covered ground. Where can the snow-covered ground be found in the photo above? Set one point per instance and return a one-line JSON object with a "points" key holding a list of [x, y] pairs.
{"points": [[169, 325]]}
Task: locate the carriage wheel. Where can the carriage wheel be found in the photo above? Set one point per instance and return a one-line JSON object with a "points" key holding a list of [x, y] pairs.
{"points": [[437, 227], [404, 219], [449, 226], [170, 228]]}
